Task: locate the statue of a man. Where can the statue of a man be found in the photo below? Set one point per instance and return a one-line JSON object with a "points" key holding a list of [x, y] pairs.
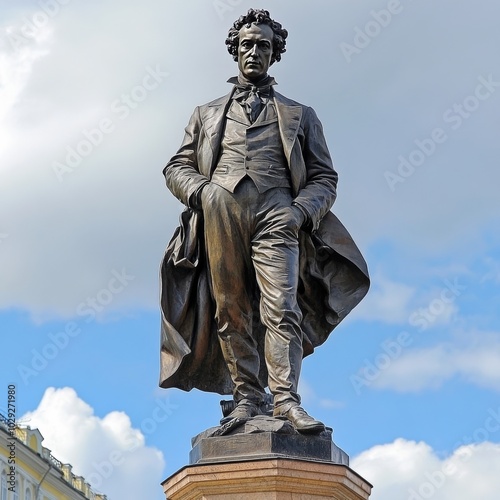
{"points": [[259, 271]]}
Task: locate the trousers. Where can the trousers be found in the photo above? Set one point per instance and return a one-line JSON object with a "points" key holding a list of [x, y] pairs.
{"points": [[251, 241]]}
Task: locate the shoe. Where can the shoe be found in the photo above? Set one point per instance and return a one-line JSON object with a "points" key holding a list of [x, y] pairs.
{"points": [[244, 410], [303, 422]]}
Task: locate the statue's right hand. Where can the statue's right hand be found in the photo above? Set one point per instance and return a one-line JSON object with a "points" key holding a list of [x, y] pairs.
{"points": [[205, 193], [196, 200]]}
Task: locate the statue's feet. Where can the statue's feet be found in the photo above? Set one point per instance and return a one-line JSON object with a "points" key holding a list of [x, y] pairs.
{"points": [[244, 410], [300, 419]]}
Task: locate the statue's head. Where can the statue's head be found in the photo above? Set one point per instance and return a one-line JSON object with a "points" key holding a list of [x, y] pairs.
{"points": [[256, 41]]}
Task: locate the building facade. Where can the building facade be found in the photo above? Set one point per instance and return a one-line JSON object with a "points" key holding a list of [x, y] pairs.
{"points": [[28, 471]]}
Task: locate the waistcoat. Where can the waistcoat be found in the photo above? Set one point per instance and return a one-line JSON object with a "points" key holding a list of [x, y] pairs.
{"points": [[252, 149]]}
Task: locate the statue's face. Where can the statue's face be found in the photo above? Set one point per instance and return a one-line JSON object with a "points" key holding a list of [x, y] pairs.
{"points": [[255, 50]]}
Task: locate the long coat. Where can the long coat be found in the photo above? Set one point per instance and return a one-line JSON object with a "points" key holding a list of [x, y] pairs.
{"points": [[333, 274]]}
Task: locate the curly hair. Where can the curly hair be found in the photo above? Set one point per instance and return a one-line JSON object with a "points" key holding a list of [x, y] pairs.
{"points": [[257, 16]]}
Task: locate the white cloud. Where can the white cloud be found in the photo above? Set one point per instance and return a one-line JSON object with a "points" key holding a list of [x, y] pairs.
{"points": [[310, 397], [493, 272], [388, 301], [18, 56], [394, 302], [331, 404], [433, 311], [108, 451], [477, 361], [112, 211], [16, 62], [406, 470]]}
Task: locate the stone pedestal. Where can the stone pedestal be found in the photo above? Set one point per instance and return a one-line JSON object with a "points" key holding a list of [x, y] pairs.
{"points": [[253, 440], [265, 458], [267, 479]]}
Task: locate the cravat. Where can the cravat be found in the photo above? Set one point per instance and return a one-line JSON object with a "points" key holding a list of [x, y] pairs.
{"points": [[251, 96]]}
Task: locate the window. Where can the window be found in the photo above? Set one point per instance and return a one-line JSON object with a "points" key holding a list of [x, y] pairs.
{"points": [[15, 496], [27, 495]]}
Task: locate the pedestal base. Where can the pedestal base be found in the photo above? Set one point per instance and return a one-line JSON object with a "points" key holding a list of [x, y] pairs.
{"points": [[264, 445], [273, 479], [264, 438]]}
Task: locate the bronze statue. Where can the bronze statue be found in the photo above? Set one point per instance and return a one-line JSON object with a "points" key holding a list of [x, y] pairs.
{"points": [[259, 272]]}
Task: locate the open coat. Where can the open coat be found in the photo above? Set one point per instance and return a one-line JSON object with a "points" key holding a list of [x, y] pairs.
{"points": [[333, 273]]}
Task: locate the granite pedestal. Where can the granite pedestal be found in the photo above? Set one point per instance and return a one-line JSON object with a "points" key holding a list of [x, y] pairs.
{"points": [[272, 479], [265, 458]]}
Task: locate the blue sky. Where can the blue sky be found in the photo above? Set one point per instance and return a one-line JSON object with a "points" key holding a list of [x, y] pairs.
{"points": [[94, 97]]}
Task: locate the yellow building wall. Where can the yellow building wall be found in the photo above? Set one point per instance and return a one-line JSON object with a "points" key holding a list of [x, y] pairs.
{"points": [[35, 477], [33, 444]]}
